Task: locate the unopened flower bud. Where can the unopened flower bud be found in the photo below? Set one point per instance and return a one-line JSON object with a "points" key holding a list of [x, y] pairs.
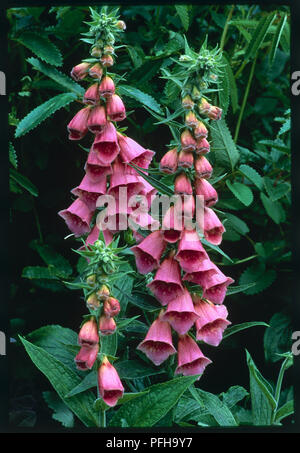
{"points": [[93, 302], [103, 293], [107, 61], [168, 163], [107, 87], [188, 143], [187, 102], [111, 307], [203, 147], [108, 50], [96, 52], [185, 159], [200, 130], [203, 168], [107, 326], [80, 71], [191, 119], [96, 71], [91, 279], [91, 96], [121, 25], [88, 335], [182, 185], [196, 95]]}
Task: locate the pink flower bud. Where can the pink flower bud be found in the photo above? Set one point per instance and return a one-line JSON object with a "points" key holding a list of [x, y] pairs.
{"points": [[187, 102], [215, 113], [169, 161], [166, 284], [182, 185], [115, 108], [96, 71], [203, 168], [107, 61], [148, 252], [185, 159], [107, 87], [191, 361], [111, 307], [91, 96], [86, 357], [108, 50], [107, 326], [96, 52], [190, 119], [92, 302], [103, 293], [88, 335], [188, 143], [211, 111], [97, 119], [204, 188], [80, 71], [202, 146], [77, 127], [109, 383], [200, 130], [204, 107]]}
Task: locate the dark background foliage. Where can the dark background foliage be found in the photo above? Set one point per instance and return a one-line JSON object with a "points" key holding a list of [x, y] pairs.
{"points": [[54, 165]]}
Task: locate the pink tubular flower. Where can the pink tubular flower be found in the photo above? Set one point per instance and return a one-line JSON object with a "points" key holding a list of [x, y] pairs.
{"points": [[96, 71], [86, 357], [94, 169], [115, 108], [107, 87], [188, 143], [190, 251], [91, 96], [204, 188], [200, 130], [205, 270], [202, 146], [129, 149], [107, 325], [215, 113], [77, 127], [185, 159], [111, 307], [203, 168], [157, 344], [182, 185], [88, 335], [166, 284], [109, 383], [169, 161], [120, 178], [180, 313], [211, 322], [89, 191], [107, 61], [148, 252], [215, 286], [97, 119], [204, 107], [213, 227], [80, 71], [143, 220], [172, 225], [77, 217], [211, 111], [144, 159], [191, 361], [106, 145]]}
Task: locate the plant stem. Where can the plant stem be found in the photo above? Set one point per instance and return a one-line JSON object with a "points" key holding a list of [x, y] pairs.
{"points": [[244, 100], [102, 418], [222, 43], [279, 384]]}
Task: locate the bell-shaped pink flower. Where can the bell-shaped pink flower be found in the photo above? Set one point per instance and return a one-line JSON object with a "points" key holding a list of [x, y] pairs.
{"points": [[120, 178], [129, 149], [115, 108], [205, 270], [203, 168], [157, 344], [77, 217], [107, 325], [190, 251], [94, 169], [185, 159], [215, 286], [88, 335], [182, 185], [191, 360], [144, 159], [215, 113], [96, 71], [107, 87], [188, 143], [86, 357], [172, 225], [111, 307], [97, 119], [213, 227], [91, 96], [143, 220], [166, 284], [180, 313], [169, 161], [109, 383], [149, 251], [77, 127], [200, 130], [202, 146], [211, 322], [80, 71], [106, 145], [204, 188], [89, 191]]}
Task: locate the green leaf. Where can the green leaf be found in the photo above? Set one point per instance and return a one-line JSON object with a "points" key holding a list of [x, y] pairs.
{"points": [[33, 272], [276, 38], [140, 96], [277, 338], [233, 395], [61, 412], [162, 188], [100, 405], [259, 35], [257, 274], [252, 175], [238, 327], [217, 408], [232, 84], [42, 112], [239, 289], [109, 344], [52, 258], [262, 401], [63, 380], [88, 382], [13, 159], [132, 369], [285, 38], [42, 47], [60, 78], [241, 192], [223, 145], [278, 191], [216, 248], [237, 224], [183, 13], [284, 411], [148, 409], [273, 209], [23, 181], [122, 288], [142, 301]]}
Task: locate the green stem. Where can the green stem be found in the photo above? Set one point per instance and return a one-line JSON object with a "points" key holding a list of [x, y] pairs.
{"points": [[279, 384], [222, 43], [244, 101], [102, 419]]}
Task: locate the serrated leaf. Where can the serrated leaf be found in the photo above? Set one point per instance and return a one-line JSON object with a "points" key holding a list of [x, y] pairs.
{"points": [[63, 380], [42, 112], [24, 182], [285, 127], [223, 145], [139, 96], [252, 175], [132, 369], [276, 38], [61, 412], [277, 338], [217, 408], [38, 272], [232, 88], [148, 409], [183, 13], [57, 76], [52, 258], [259, 35], [42, 47], [233, 395], [13, 159], [273, 208], [238, 327], [237, 224], [278, 191], [260, 276], [241, 192]]}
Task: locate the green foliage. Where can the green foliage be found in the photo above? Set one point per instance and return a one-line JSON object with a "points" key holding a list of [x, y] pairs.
{"points": [[277, 338], [223, 147], [61, 413], [42, 47]]}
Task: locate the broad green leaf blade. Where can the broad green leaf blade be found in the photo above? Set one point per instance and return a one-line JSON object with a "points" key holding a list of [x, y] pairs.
{"points": [[258, 35], [148, 409], [183, 13], [252, 175], [237, 224], [278, 191], [41, 46], [285, 411], [52, 258], [24, 182], [257, 274], [109, 344], [100, 405], [133, 369], [43, 111], [61, 412], [88, 382], [32, 272], [122, 288], [262, 401], [242, 192], [60, 78], [63, 380], [273, 209], [278, 338], [238, 327], [234, 395], [276, 38], [140, 96], [217, 408], [223, 146]]}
